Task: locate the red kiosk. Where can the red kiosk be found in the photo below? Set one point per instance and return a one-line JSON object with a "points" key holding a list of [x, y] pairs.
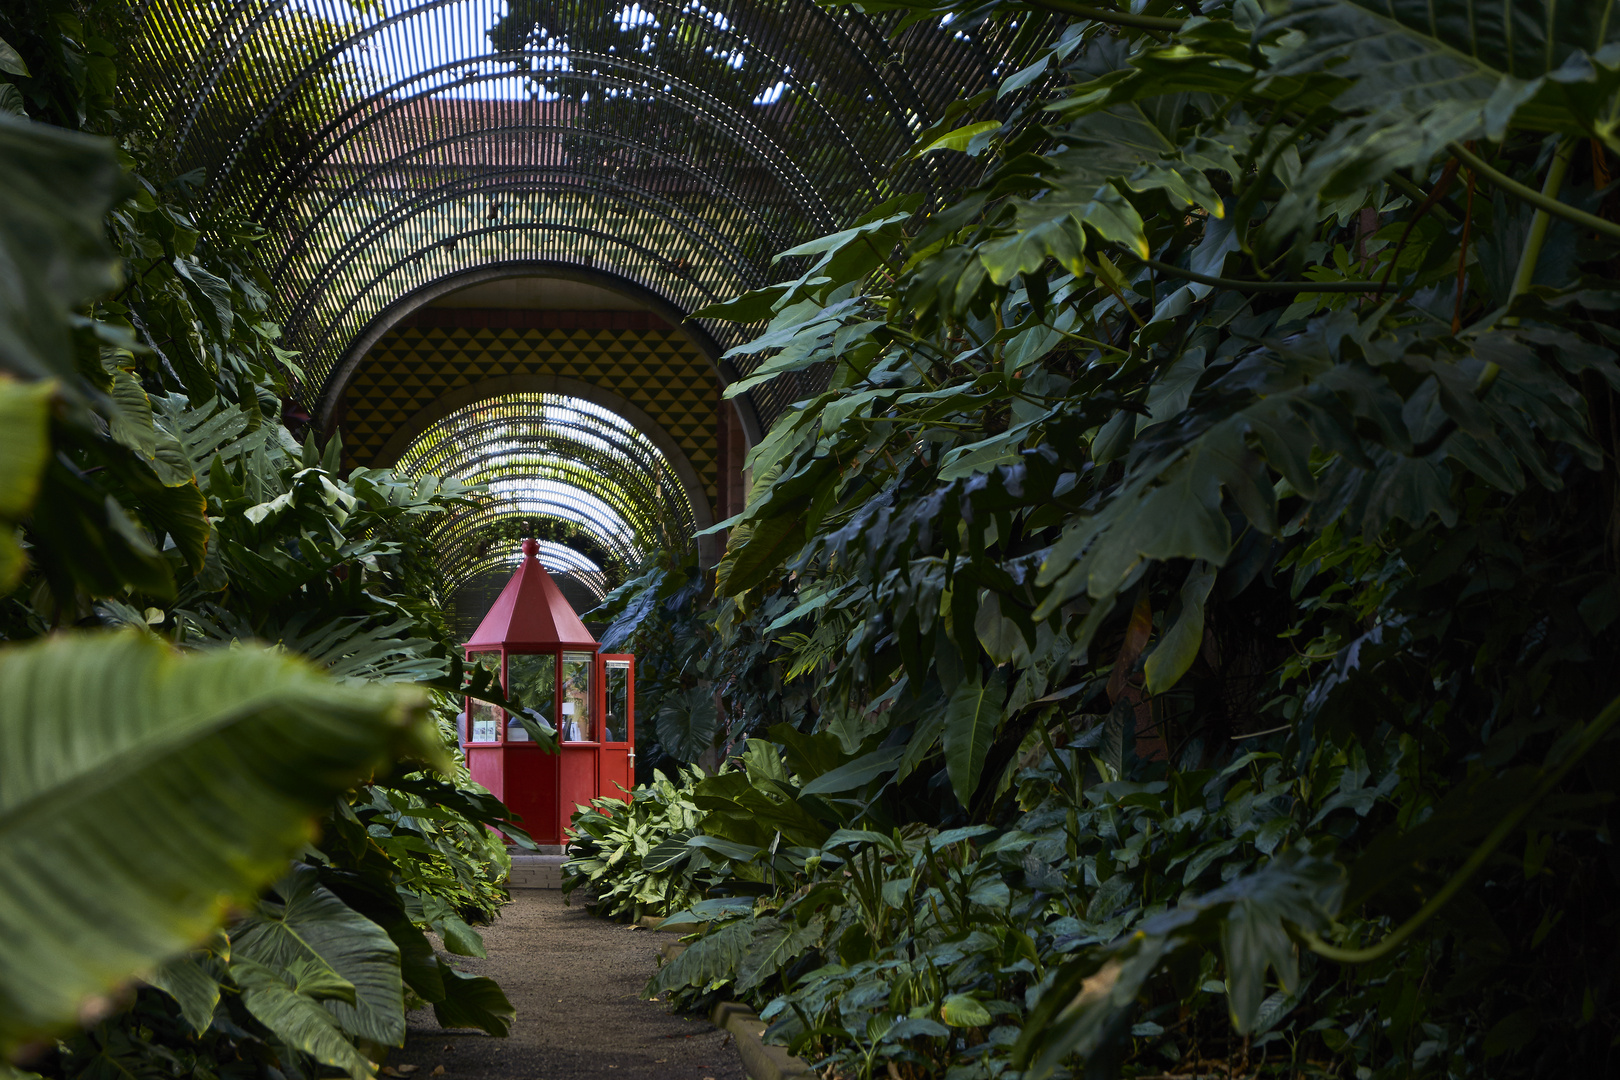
{"points": [[548, 659]]}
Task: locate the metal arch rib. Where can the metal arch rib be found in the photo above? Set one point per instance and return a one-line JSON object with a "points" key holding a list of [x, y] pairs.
{"points": [[551, 182], [781, 162], [356, 188], [609, 238], [743, 123], [396, 222], [307, 301]]}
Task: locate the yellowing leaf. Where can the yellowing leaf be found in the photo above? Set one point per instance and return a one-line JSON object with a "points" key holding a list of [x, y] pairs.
{"points": [[960, 138]]}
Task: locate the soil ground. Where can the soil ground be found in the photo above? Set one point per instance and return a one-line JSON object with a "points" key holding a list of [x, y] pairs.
{"points": [[576, 982]]}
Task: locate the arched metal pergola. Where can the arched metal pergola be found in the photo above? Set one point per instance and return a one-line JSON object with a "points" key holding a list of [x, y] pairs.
{"points": [[677, 145]]}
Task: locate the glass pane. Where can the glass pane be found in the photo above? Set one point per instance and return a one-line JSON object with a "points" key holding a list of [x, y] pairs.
{"points": [[616, 723], [576, 702], [482, 717], [531, 678]]}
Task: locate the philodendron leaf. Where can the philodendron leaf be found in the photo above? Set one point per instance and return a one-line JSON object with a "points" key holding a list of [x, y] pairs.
{"points": [[1176, 651], [310, 924], [275, 999], [1422, 74], [971, 718], [157, 789]]}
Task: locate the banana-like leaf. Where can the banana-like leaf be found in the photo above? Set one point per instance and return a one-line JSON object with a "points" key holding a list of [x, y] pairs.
{"points": [[971, 718], [312, 926], [156, 790]]}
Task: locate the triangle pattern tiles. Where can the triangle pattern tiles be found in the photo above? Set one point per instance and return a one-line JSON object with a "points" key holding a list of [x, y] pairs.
{"points": [[661, 371]]}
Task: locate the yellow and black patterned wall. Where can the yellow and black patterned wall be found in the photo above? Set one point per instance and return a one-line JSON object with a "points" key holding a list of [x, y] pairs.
{"points": [[654, 366]]}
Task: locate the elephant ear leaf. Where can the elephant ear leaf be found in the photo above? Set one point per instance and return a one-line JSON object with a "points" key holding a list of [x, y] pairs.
{"points": [[158, 789], [190, 980], [278, 1003], [312, 932]]}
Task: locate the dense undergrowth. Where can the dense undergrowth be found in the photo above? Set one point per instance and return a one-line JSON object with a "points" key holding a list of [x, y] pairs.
{"points": [[293, 811], [1178, 640]]}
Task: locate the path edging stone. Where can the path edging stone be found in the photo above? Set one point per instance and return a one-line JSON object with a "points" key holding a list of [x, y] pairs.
{"points": [[761, 1060]]}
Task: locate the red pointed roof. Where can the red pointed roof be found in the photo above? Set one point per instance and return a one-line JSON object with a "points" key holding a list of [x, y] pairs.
{"points": [[531, 611]]}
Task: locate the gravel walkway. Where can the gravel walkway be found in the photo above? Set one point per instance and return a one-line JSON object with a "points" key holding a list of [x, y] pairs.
{"points": [[576, 983]]}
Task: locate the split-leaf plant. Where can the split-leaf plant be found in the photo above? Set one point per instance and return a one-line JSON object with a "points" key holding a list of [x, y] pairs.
{"points": [[1257, 398]]}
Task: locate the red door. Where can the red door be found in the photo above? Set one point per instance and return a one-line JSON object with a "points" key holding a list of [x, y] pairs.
{"points": [[617, 678]]}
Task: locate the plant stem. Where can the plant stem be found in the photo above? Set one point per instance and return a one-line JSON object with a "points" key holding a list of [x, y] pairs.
{"points": [[1536, 198], [1543, 217], [1266, 286], [1533, 241], [1104, 15], [1599, 727]]}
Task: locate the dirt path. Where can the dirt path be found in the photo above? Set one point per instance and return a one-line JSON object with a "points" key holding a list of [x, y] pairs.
{"points": [[576, 983]]}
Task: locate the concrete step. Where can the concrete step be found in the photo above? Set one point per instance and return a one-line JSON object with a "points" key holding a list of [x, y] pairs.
{"points": [[536, 871]]}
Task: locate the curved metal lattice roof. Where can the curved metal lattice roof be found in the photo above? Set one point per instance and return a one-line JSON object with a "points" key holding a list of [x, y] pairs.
{"points": [[595, 490], [676, 143]]}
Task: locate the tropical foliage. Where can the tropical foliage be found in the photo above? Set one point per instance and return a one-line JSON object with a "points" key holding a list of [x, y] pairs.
{"points": [[1204, 550], [224, 680]]}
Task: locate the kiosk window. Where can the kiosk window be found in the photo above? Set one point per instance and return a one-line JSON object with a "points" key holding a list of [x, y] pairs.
{"points": [[616, 722], [483, 719], [576, 697], [531, 679]]}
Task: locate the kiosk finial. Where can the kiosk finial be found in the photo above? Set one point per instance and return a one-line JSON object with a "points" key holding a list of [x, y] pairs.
{"points": [[531, 548]]}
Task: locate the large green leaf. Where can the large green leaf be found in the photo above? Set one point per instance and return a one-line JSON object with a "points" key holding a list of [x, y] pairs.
{"points": [[289, 1007], [774, 946], [311, 924], [53, 244], [473, 1001], [687, 722], [857, 773], [710, 961], [156, 790], [971, 718], [193, 983], [1176, 651], [24, 447]]}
